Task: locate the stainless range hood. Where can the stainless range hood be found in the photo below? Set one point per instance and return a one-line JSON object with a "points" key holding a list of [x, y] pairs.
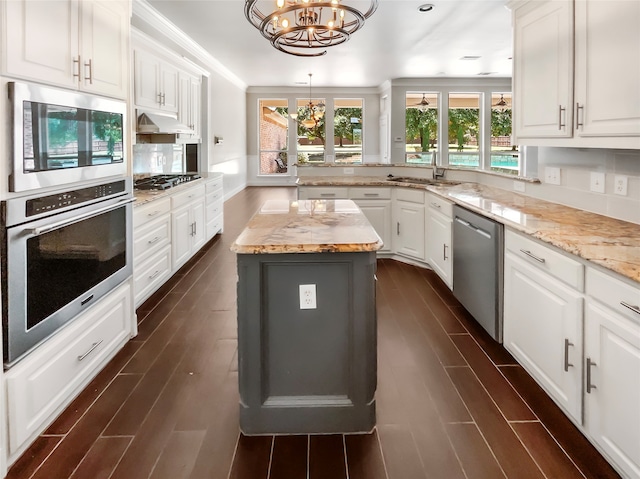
{"points": [[152, 123]]}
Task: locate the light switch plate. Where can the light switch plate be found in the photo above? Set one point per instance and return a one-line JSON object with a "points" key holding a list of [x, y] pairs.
{"points": [[597, 182]]}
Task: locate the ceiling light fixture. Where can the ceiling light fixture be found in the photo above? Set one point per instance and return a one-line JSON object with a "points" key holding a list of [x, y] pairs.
{"points": [[298, 27], [310, 115], [502, 102], [424, 103]]}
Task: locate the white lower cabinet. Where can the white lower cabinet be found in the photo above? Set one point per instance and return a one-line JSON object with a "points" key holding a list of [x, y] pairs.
{"points": [[439, 253], [375, 203], [187, 224], [40, 386], [409, 224], [543, 330], [612, 374], [214, 203]]}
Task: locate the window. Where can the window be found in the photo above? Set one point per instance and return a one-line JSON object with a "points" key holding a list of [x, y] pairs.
{"points": [[274, 132], [464, 129], [505, 157], [421, 123], [311, 130], [347, 130]]}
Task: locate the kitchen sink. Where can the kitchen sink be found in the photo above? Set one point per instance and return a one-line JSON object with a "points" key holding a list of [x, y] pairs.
{"points": [[423, 181]]}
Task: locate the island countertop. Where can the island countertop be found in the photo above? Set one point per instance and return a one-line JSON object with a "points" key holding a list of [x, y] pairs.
{"points": [[307, 226]]}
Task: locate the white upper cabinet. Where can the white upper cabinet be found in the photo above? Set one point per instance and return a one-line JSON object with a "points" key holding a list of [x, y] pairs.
{"points": [[543, 70], [589, 98], [189, 98], [607, 87], [69, 43], [155, 83]]}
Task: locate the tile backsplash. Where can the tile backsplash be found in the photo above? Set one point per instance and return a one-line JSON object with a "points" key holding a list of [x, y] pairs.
{"points": [[158, 158]]}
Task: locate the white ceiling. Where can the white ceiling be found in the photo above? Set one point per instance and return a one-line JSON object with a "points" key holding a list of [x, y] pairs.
{"points": [[396, 42]]}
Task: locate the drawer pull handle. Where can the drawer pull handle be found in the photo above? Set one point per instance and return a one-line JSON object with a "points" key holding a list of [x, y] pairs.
{"points": [[589, 385], [533, 256], [91, 349], [444, 252], [373, 195], [579, 108], [560, 124], [567, 364], [398, 228], [76, 61], [155, 213], [154, 275], [327, 194], [435, 205], [635, 309], [90, 77], [154, 240]]}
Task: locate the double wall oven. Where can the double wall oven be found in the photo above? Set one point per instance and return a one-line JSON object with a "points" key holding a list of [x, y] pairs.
{"points": [[67, 229]]}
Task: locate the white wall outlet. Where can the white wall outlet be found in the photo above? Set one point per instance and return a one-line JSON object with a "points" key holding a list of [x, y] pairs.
{"points": [[597, 182], [518, 186], [552, 175], [308, 296], [620, 185], [347, 171]]}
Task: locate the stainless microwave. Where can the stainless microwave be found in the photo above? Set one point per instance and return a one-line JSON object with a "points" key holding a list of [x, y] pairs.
{"points": [[64, 137]]}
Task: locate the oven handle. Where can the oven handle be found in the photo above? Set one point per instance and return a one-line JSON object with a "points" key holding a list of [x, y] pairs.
{"points": [[76, 219]]}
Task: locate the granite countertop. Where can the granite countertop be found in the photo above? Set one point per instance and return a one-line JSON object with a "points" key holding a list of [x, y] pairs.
{"points": [[145, 196], [608, 242], [311, 226]]}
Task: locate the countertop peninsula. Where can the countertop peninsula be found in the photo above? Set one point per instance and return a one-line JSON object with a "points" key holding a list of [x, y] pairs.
{"points": [[608, 242], [307, 226]]}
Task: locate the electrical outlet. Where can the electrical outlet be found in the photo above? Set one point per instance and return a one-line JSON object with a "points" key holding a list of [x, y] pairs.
{"points": [[597, 182], [518, 186], [620, 185], [308, 296], [552, 175], [348, 171]]}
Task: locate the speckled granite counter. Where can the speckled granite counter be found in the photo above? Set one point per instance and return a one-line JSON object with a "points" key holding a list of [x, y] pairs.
{"points": [[608, 242], [313, 226]]}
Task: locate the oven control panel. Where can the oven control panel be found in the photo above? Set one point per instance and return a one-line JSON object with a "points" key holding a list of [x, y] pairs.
{"points": [[44, 204]]}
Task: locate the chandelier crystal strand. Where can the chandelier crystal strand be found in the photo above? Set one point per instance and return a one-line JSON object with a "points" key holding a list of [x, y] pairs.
{"points": [[298, 27]]}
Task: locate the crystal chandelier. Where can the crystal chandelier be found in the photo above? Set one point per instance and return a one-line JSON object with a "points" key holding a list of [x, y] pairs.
{"points": [[303, 27], [311, 114]]}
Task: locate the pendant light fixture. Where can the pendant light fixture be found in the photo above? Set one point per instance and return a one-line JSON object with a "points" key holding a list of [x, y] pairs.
{"points": [[311, 113], [502, 102], [424, 103], [303, 27]]}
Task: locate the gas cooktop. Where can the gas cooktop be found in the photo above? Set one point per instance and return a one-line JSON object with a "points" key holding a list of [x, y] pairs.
{"points": [[163, 182]]}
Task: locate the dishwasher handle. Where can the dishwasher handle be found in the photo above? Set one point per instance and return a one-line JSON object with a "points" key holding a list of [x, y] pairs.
{"points": [[480, 231]]}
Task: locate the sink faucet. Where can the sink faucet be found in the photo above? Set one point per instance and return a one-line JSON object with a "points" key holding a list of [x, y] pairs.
{"points": [[437, 172]]}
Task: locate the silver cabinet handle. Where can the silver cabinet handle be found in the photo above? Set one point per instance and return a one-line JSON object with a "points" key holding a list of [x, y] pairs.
{"points": [[372, 195], [567, 364], [90, 77], [560, 124], [579, 108], [154, 240], [327, 194], [444, 252], [159, 99], [398, 228], [164, 99], [195, 228], [533, 256], [155, 213], [91, 349], [589, 385], [154, 275], [435, 205], [635, 309], [76, 68]]}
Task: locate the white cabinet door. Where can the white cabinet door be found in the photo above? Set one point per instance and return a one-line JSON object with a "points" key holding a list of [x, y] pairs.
{"points": [[181, 230], [612, 383], [607, 87], [409, 229], [105, 47], [189, 104], [42, 40], [439, 249], [146, 80], [543, 70], [198, 220], [169, 87], [378, 212], [543, 331], [196, 106]]}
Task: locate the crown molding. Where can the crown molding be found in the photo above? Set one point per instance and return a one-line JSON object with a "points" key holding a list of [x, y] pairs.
{"points": [[146, 13]]}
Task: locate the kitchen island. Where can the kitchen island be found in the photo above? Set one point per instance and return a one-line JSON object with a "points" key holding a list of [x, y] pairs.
{"points": [[306, 319]]}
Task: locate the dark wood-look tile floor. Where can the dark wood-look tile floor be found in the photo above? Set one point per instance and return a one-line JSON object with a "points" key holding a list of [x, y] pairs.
{"points": [[451, 403]]}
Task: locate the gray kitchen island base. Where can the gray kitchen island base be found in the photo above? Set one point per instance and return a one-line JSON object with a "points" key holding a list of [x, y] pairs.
{"points": [[304, 371]]}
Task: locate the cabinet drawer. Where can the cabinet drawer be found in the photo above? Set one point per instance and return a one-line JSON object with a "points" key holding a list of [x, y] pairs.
{"points": [[407, 194], [213, 209], [186, 197], [323, 193], [214, 226], [151, 237], [45, 381], [614, 293], [367, 193], [215, 196], [214, 185], [556, 264], [438, 204], [151, 273], [145, 213]]}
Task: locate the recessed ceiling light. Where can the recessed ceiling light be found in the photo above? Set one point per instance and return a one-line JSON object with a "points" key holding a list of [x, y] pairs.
{"points": [[427, 7], [470, 57]]}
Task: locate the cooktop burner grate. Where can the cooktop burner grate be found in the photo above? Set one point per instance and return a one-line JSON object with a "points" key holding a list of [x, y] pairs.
{"points": [[163, 182]]}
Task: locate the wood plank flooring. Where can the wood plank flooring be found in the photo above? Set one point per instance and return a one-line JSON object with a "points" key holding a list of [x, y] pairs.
{"points": [[451, 403]]}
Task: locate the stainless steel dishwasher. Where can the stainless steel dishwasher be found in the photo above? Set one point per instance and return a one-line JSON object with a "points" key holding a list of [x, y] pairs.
{"points": [[477, 268]]}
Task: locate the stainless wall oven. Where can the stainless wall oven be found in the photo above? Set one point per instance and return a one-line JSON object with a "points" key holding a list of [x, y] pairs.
{"points": [[63, 137], [61, 253]]}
